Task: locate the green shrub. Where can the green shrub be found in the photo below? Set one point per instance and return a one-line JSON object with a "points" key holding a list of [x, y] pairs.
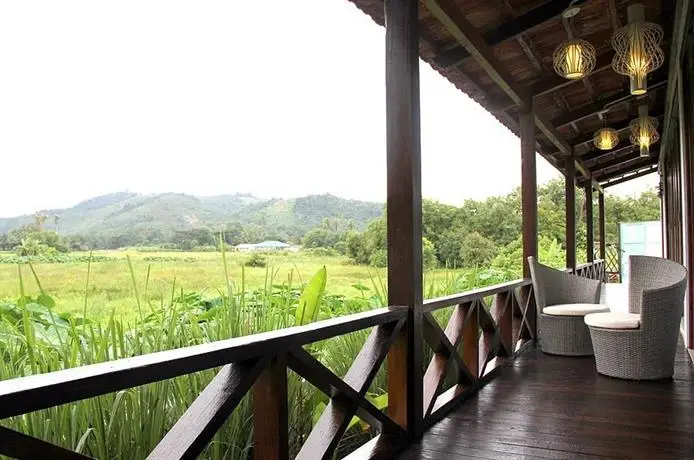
{"points": [[256, 260], [321, 252]]}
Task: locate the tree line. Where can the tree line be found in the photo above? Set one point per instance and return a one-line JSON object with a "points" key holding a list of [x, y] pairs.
{"points": [[478, 233], [489, 232]]}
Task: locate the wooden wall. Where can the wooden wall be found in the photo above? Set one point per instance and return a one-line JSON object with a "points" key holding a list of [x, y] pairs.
{"points": [[677, 183]]}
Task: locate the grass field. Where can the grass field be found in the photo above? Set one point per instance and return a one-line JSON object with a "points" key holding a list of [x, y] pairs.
{"points": [[111, 287], [157, 274]]}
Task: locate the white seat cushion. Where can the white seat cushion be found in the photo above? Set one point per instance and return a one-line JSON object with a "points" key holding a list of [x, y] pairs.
{"points": [[575, 309], [614, 320]]}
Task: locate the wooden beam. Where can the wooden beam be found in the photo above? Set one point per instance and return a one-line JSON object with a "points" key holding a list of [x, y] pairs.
{"points": [[590, 248], [607, 166], [570, 205], [601, 223], [404, 204], [21, 446], [199, 423], [598, 106], [602, 155], [555, 82], [629, 176], [308, 367], [683, 12], [333, 422], [627, 167], [460, 28], [547, 11], [614, 15], [528, 187]]}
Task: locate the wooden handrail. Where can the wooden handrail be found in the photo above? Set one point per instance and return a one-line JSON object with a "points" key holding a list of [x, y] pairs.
{"points": [[447, 301], [35, 392]]}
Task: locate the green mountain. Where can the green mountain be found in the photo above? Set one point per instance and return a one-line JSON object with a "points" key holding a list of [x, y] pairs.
{"points": [[120, 213]]}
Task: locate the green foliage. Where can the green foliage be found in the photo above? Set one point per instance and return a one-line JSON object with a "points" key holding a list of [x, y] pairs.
{"points": [[429, 260], [129, 423], [322, 252], [56, 258], [309, 302], [30, 246], [330, 233], [476, 250], [486, 232], [369, 247], [256, 260]]}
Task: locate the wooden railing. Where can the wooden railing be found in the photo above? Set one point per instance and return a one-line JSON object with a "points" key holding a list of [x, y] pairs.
{"points": [[486, 328], [593, 270]]}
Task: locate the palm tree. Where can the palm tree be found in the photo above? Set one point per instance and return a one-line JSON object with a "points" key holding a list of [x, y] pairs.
{"points": [[40, 219]]}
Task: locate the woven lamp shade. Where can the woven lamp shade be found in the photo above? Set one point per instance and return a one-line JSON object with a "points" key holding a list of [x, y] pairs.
{"points": [[574, 59], [637, 49], [605, 138], [644, 133]]}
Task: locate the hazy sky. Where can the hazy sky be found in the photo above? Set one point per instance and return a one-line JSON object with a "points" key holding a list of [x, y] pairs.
{"points": [[276, 98]]}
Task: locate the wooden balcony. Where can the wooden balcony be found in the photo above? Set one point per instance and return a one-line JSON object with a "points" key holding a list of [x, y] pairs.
{"points": [[472, 386], [543, 406]]}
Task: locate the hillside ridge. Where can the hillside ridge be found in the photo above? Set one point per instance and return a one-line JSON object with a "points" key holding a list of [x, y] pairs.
{"points": [[123, 212]]}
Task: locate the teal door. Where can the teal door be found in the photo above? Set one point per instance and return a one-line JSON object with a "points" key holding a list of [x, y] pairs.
{"points": [[639, 238]]}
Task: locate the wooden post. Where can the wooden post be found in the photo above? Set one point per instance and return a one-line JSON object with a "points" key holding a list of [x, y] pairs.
{"points": [[570, 194], [404, 210], [528, 186], [686, 124], [590, 249], [270, 407], [601, 223]]}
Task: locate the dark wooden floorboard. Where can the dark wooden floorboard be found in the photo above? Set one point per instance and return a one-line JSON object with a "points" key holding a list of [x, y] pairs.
{"points": [[543, 406]]}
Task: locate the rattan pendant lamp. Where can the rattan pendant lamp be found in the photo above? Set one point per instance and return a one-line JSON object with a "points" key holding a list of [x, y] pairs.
{"points": [[574, 58], [605, 138], [644, 132], [637, 47]]}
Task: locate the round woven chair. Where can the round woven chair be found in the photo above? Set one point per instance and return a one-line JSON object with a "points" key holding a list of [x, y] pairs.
{"points": [[641, 344], [562, 300]]}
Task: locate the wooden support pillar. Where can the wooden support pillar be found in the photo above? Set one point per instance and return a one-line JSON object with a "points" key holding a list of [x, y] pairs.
{"points": [[570, 194], [528, 186], [270, 406], [601, 223], [590, 249], [404, 205], [685, 97]]}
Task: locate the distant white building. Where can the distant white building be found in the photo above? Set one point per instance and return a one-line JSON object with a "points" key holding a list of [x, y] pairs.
{"points": [[244, 247], [263, 246]]}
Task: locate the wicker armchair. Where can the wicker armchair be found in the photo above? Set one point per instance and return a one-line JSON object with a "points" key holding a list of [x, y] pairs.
{"points": [[641, 344], [563, 331]]}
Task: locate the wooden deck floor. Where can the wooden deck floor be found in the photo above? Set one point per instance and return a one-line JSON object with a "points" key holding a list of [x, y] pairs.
{"points": [[552, 407]]}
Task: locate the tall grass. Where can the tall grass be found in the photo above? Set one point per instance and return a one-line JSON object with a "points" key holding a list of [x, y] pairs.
{"points": [[128, 424]]}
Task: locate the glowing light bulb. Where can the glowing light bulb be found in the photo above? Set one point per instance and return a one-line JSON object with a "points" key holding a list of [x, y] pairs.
{"points": [[574, 61], [644, 143], [605, 139], [638, 65]]}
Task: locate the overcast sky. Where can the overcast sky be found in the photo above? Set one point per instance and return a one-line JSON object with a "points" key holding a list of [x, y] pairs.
{"points": [[277, 98]]}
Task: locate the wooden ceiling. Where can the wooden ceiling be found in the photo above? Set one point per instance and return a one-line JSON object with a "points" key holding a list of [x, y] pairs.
{"points": [[512, 42]]}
